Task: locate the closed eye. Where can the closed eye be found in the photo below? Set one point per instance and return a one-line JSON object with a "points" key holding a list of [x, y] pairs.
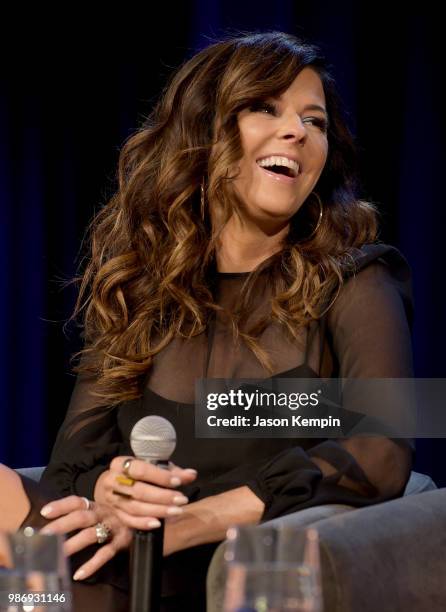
{"points": [[322, 124], [267, 107], [263, 106]]}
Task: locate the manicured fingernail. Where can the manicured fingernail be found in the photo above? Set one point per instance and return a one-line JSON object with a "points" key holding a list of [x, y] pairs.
{"points": [[46, 510], [79, 574], [191, 471], [46, 531], [174, 510], [154, 523], [175, 481], [180, 499]]}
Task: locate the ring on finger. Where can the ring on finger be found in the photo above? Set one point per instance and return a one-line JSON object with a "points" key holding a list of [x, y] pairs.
{"points": [[125, 480], [88, 503], [103, 533], [126, 466]]}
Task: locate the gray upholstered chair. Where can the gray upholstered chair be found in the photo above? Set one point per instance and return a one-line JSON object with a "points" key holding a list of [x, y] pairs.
{"points": [[387, 558]]}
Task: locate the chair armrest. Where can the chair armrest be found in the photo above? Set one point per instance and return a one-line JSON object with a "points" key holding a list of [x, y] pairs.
{"points": [[388, 557], [217, 572]]}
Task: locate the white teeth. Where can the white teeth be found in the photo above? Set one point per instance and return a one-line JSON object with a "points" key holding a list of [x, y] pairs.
{"points": [[275, 160]]}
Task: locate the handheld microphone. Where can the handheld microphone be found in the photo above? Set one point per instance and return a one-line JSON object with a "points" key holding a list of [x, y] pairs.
{"points": [[153, 439]]}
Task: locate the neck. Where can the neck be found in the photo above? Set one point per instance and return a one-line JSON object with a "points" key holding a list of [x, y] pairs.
{"points": [[243, 246]]}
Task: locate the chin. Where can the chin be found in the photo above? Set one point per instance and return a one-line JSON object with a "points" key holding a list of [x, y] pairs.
{"points": [[284, 213]]}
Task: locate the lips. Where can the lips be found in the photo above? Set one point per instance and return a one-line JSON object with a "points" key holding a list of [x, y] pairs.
{"points": [[281, 178]]}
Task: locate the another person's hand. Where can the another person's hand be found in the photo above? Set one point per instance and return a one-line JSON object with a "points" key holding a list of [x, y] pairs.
{"points": [[142, 494], [70, 514]]}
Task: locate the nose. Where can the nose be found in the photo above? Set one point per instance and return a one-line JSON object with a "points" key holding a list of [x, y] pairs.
{"points": [[292, 128]]}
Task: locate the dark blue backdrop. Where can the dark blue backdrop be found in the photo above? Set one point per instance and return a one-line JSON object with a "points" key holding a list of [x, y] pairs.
{"points": [[72, 91]]}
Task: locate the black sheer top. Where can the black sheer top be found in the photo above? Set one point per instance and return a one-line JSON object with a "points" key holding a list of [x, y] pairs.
{"points": [[365, 334]]}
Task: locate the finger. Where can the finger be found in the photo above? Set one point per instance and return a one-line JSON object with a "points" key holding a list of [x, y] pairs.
{"points": [[145, 523], [79, 519], [186, 475], [58, 507], [182, 472], [121, 539], [85, 537], [137, 508], [88, 536], [104, 554], [140, 470], [144, 492]]}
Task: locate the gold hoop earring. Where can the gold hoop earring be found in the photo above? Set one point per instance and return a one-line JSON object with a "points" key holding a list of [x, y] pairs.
{"points": [[202, 198], [319, 221]]}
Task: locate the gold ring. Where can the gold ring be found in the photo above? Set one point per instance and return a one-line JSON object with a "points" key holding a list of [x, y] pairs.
{"points": [[126, 466], [125, 480]]}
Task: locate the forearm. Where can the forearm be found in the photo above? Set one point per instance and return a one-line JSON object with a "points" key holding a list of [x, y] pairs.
{"points": [[207, 520], [14, 504]]}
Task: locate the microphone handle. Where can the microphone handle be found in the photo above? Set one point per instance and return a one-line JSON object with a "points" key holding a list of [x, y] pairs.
{"points": [[147, 570], [147, 564]]}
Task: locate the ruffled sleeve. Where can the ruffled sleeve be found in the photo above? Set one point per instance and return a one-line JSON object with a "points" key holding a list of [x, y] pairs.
{"points": [[87, 441]]}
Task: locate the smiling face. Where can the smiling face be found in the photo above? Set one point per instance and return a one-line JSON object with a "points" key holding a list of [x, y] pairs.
{"points": [[291, 126]]}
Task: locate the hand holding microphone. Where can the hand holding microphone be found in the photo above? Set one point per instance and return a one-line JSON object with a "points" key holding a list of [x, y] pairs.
{"points": [[149, 497], [139, 489]]}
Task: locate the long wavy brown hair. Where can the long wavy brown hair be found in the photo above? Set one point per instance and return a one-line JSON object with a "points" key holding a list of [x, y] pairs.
{"points": [[151, 256]]}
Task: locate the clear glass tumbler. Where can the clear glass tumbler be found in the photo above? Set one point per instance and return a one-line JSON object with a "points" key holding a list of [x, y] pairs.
{"points": [[35, 571], [272, 569]]}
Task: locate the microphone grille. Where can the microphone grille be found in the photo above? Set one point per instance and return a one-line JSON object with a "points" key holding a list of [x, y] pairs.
{"points": [[153, 438]]}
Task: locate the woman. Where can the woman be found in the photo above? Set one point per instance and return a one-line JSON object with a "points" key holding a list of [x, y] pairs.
{"points": [[235, 247]]}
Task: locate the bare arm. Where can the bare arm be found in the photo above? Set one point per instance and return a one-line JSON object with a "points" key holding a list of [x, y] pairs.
{"points": [[14, 504], [208, 519]]}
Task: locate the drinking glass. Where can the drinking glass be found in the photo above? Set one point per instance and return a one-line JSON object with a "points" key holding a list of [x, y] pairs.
{"points": [[35, 568], [272, 569]]}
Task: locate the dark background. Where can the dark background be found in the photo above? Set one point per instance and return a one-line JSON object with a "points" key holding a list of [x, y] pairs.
{"points": [[73, 86]]}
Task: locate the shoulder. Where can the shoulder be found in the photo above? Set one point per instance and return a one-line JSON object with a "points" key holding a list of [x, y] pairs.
{"points": [[375, 255], [375, 277]]}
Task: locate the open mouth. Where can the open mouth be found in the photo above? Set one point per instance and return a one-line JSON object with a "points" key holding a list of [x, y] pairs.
{"points": [[284, 170], [280, 173], [280, 167]]}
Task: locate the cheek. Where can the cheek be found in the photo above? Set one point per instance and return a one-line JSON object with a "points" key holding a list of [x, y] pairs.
{"points": [[325, 148], [320, 154], [252, 136], [324, 158]]}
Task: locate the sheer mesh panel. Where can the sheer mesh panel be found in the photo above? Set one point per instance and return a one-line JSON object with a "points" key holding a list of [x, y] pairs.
{"points": [[366, 334]]}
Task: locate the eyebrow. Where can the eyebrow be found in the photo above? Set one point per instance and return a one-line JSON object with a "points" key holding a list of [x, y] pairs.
{"points": [[316, 107]]}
